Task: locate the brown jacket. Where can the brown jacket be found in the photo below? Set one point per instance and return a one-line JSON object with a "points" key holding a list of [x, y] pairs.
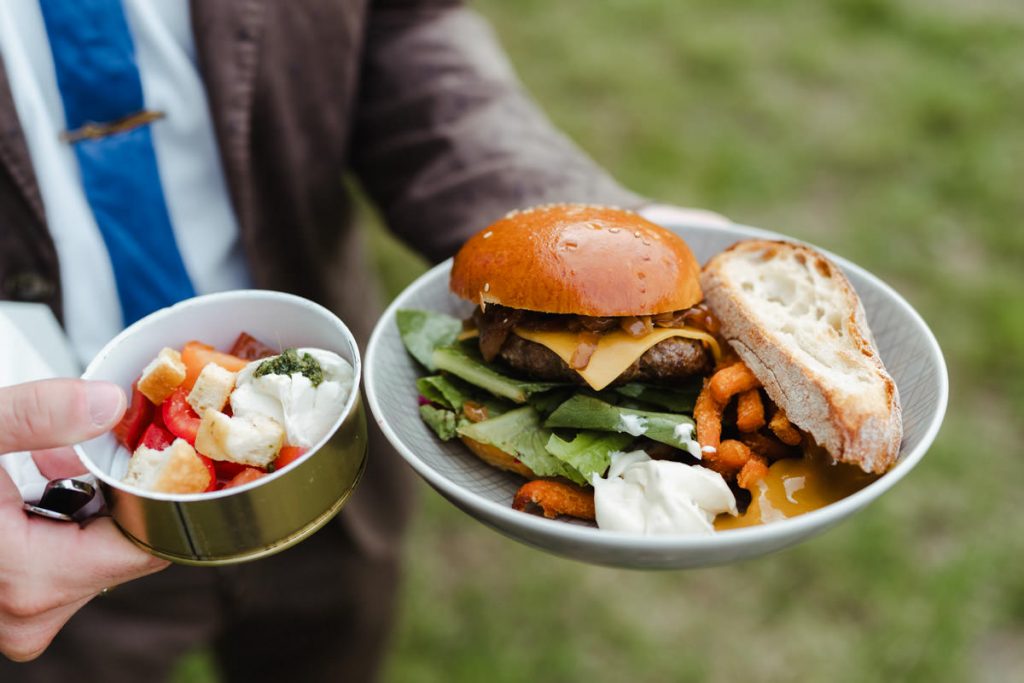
{"points": [[413, 98]]}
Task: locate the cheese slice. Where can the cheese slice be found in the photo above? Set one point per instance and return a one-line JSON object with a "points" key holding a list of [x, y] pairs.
{"points": [[615, 351]]}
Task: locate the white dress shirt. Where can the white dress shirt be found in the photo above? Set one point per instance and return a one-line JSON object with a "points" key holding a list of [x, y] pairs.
{"points": [[188, 160]]}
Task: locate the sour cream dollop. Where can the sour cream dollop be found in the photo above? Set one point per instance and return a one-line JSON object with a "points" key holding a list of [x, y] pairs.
{"points": [[306, 412], [649, 497]]}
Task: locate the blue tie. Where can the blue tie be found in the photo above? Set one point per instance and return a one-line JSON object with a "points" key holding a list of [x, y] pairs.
{"points": [[108, 127]]}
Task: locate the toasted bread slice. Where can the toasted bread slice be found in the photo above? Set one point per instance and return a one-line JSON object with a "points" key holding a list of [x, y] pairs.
{"points": [[795, 320], [162, 376], [212, 388], [175, 469]]}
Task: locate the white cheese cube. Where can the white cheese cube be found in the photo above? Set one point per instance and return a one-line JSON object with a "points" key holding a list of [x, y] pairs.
{"points": [[254, 440]]}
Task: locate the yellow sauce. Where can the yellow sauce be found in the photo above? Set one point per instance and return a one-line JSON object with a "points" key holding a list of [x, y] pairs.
{"points": [[794, 486]]}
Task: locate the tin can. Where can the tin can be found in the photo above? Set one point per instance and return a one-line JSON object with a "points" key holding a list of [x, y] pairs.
{"points": [[271, 513]]}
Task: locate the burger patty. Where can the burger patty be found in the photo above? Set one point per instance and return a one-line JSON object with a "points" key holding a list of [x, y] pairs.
{"points": [[673, 359]]}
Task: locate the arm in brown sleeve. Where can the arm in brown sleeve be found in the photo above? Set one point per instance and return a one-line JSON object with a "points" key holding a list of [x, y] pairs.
{"points": [[446, 140]]}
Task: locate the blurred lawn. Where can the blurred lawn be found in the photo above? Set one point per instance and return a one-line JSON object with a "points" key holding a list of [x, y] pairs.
{"points": [[889, 131]]}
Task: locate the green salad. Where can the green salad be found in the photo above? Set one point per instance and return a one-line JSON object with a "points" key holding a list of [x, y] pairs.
{"points": [[554, 429]]}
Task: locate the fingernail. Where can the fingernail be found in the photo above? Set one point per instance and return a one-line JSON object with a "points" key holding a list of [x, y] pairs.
{"points": [[105, 402]]}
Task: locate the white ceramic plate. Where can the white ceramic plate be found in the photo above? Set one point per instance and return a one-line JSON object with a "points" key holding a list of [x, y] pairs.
{"points": [[907, 346]]}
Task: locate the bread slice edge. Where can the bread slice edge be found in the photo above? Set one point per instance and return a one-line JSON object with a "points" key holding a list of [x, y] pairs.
{"points": [[866, 436]]}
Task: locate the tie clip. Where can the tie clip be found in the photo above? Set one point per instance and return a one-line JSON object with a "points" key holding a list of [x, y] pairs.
{"points": [[95, 131]]}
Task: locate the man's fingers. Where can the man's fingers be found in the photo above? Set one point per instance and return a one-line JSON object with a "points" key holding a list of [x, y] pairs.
{"points": [[10, 497], [22, 640], [105, 558], [66, 564], [57, 412], [58, 463]]}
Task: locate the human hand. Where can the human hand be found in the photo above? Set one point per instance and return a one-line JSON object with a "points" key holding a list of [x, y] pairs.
{"points": [[49, 570], [667, 214]]}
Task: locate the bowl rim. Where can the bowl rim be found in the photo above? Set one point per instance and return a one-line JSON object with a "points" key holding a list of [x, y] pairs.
{"points": [[243, 295], [620, 540]]}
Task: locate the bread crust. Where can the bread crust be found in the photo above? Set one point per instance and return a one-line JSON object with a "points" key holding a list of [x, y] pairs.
{"points": [[175, 469], [851, 406], [578, 259], [162, 376]]}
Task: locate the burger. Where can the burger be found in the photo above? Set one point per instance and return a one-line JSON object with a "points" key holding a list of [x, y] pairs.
{"points": [[586, 294]]}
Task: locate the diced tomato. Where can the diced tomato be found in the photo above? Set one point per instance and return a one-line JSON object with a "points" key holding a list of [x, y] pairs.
{"points": [[136, 417], [250, 348], [195, 355], [227, 469], [158, 418], [210, 468], [179, 418], [156, 437], [245, 476], [288, 455]]}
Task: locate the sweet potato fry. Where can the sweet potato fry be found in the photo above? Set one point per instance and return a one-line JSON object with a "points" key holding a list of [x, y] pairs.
{"points": [[730, 381], [495, 457], [752, 472], [768, 446], [730, 458], [784, 429], [707, 414], [555, 498], [749, 411]]}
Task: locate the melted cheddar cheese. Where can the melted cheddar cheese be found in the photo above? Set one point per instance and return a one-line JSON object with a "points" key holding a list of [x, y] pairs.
{"points": [[615, 350]]}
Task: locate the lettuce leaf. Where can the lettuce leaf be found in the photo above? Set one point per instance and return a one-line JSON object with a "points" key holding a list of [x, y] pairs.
{"points": [[424, 331], [443, 422], [520, 434], [589, 453], [586, 412], [444, 391], [672, 400], [464, 361]]}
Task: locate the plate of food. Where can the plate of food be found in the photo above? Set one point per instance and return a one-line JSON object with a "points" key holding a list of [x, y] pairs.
{"points": [[623, 393]]}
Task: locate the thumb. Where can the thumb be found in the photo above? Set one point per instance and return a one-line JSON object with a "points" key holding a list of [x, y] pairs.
{"points": [[57, 412], [58, 463]]}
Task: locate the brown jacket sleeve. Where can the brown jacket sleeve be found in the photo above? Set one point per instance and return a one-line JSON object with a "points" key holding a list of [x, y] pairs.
{"points": [[446, 140]]}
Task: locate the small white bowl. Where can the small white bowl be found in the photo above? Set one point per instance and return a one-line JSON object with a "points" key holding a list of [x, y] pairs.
{"points": [[907, 346]]}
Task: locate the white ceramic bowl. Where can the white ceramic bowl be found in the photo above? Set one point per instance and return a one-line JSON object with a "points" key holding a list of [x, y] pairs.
{"points": [[907, 346]]}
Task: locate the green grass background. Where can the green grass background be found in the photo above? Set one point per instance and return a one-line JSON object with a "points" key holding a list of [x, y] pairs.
{"points": [[889, 131]]}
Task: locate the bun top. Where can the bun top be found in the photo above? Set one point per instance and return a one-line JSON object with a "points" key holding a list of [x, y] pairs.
{"points": [[579, 259]]}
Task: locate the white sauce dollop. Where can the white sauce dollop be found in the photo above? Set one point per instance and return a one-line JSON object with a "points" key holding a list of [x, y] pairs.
{"points": [[306, 412], [649, 497], [634, 425]]}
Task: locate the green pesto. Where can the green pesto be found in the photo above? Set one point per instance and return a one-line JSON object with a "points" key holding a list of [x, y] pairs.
{"points": [[289, 362]]}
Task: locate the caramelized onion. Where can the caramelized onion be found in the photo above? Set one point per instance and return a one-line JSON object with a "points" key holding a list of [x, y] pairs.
{"points": [[698, 316], [596, 324], [474, 412], [584, 350], [636, 326], [494, 324]]}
